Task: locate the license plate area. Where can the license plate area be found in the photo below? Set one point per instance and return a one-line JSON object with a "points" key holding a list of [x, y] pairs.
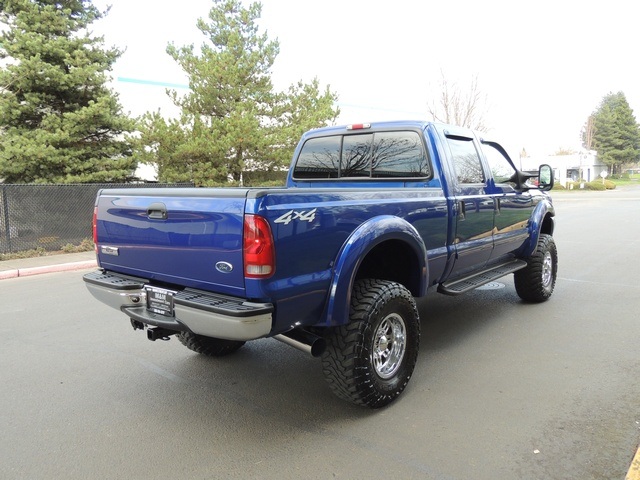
{"points": [[160, 301]]}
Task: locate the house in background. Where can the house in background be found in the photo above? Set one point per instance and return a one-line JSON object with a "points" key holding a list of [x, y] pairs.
{"points": [[567, 168]]}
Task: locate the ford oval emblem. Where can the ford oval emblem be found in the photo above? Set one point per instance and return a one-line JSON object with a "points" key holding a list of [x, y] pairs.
{"points": [[224, 267]]}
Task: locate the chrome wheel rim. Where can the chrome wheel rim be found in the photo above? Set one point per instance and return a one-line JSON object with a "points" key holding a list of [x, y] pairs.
{"points": [[389, 345], [547, 270]]}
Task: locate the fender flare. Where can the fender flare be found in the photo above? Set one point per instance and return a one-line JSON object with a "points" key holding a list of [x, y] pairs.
{"points": [[362, 240], [542, 211]]}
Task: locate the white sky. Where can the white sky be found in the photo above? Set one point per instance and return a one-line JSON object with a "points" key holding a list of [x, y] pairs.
{"points": [[544, 65]]}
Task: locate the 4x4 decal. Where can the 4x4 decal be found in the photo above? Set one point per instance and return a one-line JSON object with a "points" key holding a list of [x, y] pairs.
{"points": [[291, 215]]}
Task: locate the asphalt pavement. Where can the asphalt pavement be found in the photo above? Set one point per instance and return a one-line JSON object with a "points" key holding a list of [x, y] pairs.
{"points": [[86, 260]]}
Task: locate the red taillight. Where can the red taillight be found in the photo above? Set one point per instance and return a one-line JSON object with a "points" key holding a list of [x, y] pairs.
{"points": [[259, 254], [94, 228]]}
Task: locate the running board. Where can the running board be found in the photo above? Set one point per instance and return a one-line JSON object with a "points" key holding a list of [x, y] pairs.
{"points": [[477, 279]]}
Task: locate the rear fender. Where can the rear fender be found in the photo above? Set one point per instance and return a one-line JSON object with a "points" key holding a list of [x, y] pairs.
{"points": [[542, 221], [363, 240]]}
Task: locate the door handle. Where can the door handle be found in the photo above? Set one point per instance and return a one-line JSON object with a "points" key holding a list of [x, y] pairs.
{"points": [[462, 209], [157, 211]]}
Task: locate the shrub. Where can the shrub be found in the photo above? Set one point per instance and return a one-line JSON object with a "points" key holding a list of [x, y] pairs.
{"points": [[599, 185], [595, 185], [35, 252], [85, 246]]}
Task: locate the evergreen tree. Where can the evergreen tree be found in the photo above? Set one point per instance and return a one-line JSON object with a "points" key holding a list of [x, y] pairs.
{"points": [[231, 119], [59, 123], [615, 132]]}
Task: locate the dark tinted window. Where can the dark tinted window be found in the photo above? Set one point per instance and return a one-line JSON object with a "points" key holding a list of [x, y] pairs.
{"points": [[399, 154], [356, 156], [466, 161], [379, 155], [319, 158]]}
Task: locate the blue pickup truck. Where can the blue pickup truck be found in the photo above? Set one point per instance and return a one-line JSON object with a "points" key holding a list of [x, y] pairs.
{"points": [[372, 216]]}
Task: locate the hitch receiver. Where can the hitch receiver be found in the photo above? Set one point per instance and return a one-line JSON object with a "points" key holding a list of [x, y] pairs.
{"points": [[159, 333]]}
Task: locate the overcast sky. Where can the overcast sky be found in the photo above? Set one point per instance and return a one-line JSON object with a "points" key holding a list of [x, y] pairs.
{"points": [[544, 66]]}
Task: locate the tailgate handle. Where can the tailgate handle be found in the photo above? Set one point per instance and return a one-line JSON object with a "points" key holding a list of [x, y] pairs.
{"points": [[157, 211]]}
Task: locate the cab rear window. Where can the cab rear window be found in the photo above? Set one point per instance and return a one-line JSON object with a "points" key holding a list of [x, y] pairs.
{"points": [[396, 154]]}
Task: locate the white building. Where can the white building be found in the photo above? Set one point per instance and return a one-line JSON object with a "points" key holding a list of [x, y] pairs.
{"points": [[568, 168]]}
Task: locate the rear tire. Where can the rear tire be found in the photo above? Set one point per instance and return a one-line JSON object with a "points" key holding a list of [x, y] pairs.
{"points": [[535, 282], [370, 360], [209, 346]]}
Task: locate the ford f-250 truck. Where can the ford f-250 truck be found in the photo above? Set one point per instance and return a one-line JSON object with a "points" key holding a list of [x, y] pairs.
{"points": [[372, 216]]}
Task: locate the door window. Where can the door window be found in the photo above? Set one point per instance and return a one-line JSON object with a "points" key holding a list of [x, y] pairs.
{"points": [[466, 160], [501, 168]]}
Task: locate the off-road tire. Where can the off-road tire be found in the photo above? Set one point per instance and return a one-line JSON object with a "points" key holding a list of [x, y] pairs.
{"points": [[535, 282], [370, 360], [212, 347]]}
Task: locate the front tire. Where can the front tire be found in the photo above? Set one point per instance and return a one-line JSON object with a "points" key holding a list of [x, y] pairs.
{"points": [[370, 360], [209, 346], [535, 282]]}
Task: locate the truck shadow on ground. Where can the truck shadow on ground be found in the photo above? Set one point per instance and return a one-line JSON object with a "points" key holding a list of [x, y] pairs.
{"points": [[447, 320], [268, 377]]}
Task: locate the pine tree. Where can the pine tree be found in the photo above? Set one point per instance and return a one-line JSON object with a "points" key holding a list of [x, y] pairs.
{"points": [[616, 134], [59, 122], [231, 119]]}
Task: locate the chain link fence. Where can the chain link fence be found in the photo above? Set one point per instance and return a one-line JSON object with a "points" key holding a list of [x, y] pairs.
{"points": [[50, 216]]}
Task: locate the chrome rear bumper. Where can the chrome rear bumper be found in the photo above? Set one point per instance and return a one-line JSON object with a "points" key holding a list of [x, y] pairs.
{"points": [[200, 312]]}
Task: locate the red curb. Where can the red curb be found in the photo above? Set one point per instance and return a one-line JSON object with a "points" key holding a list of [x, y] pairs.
{"points": [[64, 267], [8, 274]]}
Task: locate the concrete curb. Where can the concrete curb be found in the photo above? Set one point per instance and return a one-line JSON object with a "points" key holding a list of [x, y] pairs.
{"points": [[63, 267], [634, 469]]}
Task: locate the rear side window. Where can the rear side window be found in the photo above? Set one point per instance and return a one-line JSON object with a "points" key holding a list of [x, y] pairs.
{"points": [[466, 160], [370, 155], [319, 158]]}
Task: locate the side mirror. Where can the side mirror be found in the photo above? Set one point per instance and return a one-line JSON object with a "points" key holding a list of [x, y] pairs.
{"points": [[545, 178]]}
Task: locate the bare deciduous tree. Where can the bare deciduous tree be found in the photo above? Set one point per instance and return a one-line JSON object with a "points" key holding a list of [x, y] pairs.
{"points": [[456, 105], [587, 133]]}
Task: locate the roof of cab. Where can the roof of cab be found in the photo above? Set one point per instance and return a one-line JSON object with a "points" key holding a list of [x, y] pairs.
{"points": [[396, 124]]}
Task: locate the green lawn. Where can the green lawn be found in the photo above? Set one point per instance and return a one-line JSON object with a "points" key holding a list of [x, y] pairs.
{"points": [[633, 179]]}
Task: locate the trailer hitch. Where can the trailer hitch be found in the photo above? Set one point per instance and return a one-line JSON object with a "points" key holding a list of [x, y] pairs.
{"points": [[159, 333]]}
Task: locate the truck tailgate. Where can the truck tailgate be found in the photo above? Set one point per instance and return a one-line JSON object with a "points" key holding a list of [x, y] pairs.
{"points": [[186, 237]]}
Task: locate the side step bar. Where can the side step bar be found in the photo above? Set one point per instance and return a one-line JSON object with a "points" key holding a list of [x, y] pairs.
{"points": [[477, 279]]}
